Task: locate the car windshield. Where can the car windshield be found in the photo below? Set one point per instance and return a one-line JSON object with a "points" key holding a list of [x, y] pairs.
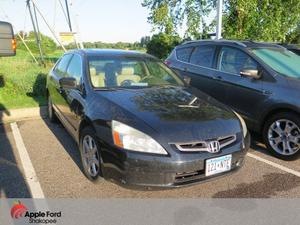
{"points": [[281, 60], [130, 73]]}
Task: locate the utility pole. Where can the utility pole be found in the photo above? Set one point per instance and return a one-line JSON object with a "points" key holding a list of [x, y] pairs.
{"points": [[37, 37], [70, 25], [52, 31], [68, 15], [219, 19], [37, 23]]}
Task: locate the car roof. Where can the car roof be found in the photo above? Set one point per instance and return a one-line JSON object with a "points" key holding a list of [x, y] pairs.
{"points": [[291, 46], [111, 53], [242, 44]]}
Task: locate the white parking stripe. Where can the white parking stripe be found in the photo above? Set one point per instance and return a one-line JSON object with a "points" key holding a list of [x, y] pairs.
{"points": [[29, 172], [283, 168]]}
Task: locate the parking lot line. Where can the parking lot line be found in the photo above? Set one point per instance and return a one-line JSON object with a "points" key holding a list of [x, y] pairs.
{"points": [[29, 172], [283, 168]]}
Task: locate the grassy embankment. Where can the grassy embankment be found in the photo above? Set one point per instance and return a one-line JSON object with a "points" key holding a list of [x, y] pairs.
{"points": [[22, 81]]}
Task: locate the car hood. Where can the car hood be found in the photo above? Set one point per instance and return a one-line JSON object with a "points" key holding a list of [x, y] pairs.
{"points": [[177, 113]]}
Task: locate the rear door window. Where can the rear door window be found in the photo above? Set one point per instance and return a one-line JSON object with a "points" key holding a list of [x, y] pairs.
{"points": [[75, 68], [233, 60], [203, 56], [183, 54], [61, 68]]}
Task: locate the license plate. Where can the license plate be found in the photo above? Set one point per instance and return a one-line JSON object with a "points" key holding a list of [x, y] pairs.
{"points": [[218, 165]]}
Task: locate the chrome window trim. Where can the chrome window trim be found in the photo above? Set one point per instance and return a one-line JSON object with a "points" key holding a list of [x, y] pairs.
{"points": [[204, 67]]}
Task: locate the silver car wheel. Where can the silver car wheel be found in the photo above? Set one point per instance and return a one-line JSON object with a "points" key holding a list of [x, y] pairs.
{"points": [[284, 137], [90, 156]]}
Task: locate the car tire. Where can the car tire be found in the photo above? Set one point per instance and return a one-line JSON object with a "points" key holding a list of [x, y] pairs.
{"points": [[90, 154], [51, 113], [281, 134]]}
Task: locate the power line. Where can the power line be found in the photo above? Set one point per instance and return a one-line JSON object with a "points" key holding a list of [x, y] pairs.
{"points": [[49, 27], [54, 16], [68, 14], [63, 10]]}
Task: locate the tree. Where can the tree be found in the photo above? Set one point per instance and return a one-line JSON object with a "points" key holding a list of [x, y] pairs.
{"points": [[48, 45], [168, 15], [162, 44], [144, 41], [271, 20], [294, 36], [261, 20]]}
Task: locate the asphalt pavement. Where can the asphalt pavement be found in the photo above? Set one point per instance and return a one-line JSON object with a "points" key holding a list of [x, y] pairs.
{"points": [[53, 169]]}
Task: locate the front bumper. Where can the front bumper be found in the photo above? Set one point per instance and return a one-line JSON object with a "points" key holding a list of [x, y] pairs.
{"points": [[144, 171]]}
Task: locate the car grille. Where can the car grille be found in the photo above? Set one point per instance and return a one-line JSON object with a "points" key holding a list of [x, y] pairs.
{"points": [[202, 146]]}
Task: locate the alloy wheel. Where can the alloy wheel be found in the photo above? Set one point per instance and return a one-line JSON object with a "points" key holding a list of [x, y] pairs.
{"points": [[90, 156], [284, 137]]}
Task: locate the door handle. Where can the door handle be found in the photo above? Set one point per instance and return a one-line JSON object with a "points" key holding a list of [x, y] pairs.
{"points": [[266, 92], [217, 78]]}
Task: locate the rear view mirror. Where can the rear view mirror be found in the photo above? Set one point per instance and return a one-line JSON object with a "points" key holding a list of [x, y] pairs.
{"points": [[7, 40], [250, 73], [68, 83]]}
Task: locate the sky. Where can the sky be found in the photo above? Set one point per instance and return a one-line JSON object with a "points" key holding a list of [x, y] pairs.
{"points": [[96, 20]]}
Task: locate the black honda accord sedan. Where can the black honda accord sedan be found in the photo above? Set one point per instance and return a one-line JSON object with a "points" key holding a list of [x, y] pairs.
{"points": [[140, 125]]}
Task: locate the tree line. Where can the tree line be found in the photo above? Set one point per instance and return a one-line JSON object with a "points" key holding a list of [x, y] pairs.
{"points": [[257, 20], [49, 45]]}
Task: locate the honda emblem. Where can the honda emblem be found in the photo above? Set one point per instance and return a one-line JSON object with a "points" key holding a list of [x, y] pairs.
{"points": [[213, 146]]}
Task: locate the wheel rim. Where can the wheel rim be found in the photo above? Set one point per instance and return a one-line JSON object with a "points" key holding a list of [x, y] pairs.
{"points": [[284, 137], [90, 156]]}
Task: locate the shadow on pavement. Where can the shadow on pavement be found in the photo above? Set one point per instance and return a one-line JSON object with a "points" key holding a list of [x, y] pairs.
{"points": [[12, 182], [65, 140], [70, 146], [265, 188]]}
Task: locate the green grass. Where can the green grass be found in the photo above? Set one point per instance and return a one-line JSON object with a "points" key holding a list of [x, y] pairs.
{"points": [[22, 81]]}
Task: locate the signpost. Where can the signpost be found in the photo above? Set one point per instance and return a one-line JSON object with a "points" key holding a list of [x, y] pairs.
{"points": [[67, 37]]}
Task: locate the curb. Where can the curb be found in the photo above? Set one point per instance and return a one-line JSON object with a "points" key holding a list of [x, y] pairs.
{"points": [[7, 116]]}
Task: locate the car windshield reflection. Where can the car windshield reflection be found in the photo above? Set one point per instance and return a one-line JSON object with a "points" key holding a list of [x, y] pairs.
{"points": [[130, 73]]}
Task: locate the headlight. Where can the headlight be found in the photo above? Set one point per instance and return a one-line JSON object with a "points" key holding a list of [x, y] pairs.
{"points": [[129, 138], [245, 130]]}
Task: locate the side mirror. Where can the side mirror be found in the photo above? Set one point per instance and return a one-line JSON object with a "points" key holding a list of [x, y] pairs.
{"points": [[187, 80], [68, 82], [250, 73], [7, 40]]}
